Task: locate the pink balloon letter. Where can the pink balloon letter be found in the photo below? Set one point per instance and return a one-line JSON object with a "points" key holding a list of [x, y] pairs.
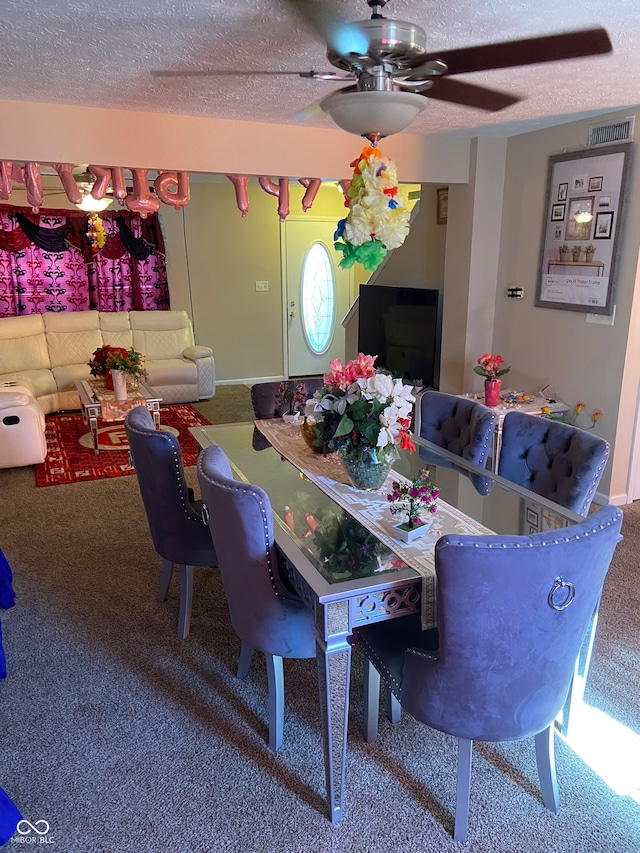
{"points": [[65, 173], [103, 179], [140, 200], [240, 183], [180, 180], [312, 185]]}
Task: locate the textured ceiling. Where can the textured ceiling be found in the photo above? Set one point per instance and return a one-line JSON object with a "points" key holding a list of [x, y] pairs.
{"points": [[102, 54]]}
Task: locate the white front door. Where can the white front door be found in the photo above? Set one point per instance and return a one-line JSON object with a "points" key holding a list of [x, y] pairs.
{"points": [[317, 295]]}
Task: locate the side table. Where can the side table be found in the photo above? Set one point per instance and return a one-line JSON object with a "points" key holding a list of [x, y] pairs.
{"points": [[99, 402]]}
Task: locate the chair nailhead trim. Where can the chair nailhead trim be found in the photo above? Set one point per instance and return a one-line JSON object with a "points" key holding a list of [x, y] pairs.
{"points": [[265, 523]]}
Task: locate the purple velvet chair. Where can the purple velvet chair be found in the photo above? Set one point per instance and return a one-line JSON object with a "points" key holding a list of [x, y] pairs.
{"points": [[179, 534], [556, 460], [564, 464], [461, 426], [512, 611], [264, 614]]}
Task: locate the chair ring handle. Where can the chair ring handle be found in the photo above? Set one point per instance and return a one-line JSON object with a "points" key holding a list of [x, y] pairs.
{"points": [[205, 513], [569, 594]]}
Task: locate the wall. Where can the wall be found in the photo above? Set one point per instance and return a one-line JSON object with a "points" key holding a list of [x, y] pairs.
{"points": [[214, 258], [419, 262], [57, 133], [596, 364], [471, 263]]}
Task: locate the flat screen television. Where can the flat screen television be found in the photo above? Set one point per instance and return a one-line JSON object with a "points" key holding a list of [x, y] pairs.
{"points": [[402, 325]]}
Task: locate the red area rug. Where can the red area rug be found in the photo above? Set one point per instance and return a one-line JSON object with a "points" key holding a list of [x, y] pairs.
{"points": [[70, 455]]}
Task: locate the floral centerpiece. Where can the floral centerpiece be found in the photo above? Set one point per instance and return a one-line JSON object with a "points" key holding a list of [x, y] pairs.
{"points": [[107, 358], [293, 395], [363, 413], [490, 366], [377, 219], [417, 499]]}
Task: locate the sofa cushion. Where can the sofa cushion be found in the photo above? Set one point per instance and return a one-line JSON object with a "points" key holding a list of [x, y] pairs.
{"points": [[72, 338], [115, 329], [40, 382], [171, 371], [161, 334], [67, 374], [24, 346]]}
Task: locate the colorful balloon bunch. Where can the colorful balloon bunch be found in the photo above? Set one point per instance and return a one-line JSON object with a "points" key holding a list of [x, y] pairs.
{"points": [[378, 219]]}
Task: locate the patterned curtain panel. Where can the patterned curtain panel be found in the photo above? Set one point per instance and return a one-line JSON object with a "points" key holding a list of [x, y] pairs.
{"points": [[48, 262]]}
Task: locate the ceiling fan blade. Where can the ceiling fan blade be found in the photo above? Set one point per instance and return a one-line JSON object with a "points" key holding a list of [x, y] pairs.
{"points": [[527, 51], [466, 94], [338, 33], [225, 72]]}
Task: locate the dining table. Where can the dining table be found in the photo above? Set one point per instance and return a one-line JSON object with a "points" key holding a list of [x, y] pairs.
{"points": [[336, 545]]}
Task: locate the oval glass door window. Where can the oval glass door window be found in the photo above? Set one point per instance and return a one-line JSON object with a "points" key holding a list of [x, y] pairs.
{"points": [[318, 298]]}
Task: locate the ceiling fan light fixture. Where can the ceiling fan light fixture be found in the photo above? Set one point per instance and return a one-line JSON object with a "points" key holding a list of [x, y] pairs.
{"points": [[583, 216], [91, 204], [375, 114]]}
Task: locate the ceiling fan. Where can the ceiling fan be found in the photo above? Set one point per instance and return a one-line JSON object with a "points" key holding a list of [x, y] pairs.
{"points": [[391, 74]]}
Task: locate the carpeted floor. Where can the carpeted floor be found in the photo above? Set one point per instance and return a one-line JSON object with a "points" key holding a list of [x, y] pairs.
{"points": [[71, 457], [128, 740]]}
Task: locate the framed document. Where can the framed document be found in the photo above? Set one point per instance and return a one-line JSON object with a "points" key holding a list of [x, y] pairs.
{"points": [[586, 192]]}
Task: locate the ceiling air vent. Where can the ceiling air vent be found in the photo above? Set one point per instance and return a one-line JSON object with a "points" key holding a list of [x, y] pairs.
{"points": [[607, 134]]}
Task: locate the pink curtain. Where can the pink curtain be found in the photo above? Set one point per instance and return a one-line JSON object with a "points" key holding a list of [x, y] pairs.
{"points": [[46, 263]]}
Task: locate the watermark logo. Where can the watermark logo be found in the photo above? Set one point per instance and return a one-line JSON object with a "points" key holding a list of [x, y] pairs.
{"points": [[32, 833], [41, 827]]}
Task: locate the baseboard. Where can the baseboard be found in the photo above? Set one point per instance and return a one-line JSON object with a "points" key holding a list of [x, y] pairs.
{"points": [[249, 381], [615, 500]]}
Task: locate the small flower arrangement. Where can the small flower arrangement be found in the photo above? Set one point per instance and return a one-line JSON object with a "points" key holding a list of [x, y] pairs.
{"points": [[361, 410], [416, 499], [575, 417], [377, 219], [95, 232], [347, 549], [490, 366], [107, 358], [293, 395]]}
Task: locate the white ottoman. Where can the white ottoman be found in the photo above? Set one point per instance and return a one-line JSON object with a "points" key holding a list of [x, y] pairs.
{"points": [[22, 439]]}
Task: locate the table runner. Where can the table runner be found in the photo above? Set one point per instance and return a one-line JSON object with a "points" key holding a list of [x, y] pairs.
{"points": [[371, 508], [110, 408]]}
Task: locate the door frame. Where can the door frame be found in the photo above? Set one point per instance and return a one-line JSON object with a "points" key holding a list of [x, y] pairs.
{"points": [[284, 283]]}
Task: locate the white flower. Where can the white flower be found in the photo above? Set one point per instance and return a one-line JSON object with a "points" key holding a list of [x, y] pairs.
{"points": [[389, 427]]}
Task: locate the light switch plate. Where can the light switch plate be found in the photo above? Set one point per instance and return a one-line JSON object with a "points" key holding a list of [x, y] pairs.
{"points": [[262, 286], [602, 319]]}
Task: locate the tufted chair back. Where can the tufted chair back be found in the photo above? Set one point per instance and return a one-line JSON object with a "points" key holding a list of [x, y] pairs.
{"points": [[464, 427], [175, 519], [264, 614], [263, 397], [560, 462], [512, 614]]}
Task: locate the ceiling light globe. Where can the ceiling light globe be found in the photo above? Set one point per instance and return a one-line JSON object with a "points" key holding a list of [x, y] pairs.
{"points": [[373, 113]]}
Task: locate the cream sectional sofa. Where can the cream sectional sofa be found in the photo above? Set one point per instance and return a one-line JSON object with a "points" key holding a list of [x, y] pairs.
{"points": [[48, 352]]}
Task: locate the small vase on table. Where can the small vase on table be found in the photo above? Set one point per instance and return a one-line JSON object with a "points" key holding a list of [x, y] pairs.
{"points": [[119, 384], [492, 391]]}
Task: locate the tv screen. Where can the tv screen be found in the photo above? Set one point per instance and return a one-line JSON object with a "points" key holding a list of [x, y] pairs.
{"points": [[402, 326]]}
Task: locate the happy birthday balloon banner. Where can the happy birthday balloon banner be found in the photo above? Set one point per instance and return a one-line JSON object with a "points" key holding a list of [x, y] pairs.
{"points": [[281, 191], [170, 187]]}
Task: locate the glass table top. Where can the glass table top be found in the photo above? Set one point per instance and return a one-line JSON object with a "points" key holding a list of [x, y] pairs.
{"points": [[341, 549]]}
